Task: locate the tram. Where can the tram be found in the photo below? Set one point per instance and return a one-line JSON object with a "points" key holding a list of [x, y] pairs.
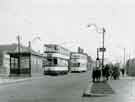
{"points": [[78, 62], [56, 59]]}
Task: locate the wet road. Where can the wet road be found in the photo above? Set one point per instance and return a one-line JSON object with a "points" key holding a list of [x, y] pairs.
{"points": [[67, 88]]}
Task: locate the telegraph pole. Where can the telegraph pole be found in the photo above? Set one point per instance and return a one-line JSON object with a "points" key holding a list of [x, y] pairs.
{"points": [[97, 59], [124, 67], [124, 57], [19, 50], [103, 47], [97, 53], [18, 39], [29, 45]]}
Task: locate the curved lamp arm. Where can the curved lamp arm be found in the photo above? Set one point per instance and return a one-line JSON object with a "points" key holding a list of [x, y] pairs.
{"points": [[97, 28]]}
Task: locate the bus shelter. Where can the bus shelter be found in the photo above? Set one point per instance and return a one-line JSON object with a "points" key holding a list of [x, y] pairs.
{"points": [[20, 63]]}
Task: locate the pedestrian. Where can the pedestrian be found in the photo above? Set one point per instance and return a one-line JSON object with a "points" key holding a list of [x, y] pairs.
{"points": [[111, 73], [123, 72], [116, 72], [94, 74], [107, 74], [98, 76], [103, 73]]}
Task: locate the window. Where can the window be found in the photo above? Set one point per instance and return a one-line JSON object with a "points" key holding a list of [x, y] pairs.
{"points": [[55, 61], [24, 61], [75, 64], [14, 63], [50, 62]]}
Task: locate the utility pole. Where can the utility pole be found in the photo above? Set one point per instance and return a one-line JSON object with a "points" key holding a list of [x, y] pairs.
{"points": [[97, 53], [97, 59], [103, 47], [124, 57], [29, 45], [19, 50], [124, 67]]}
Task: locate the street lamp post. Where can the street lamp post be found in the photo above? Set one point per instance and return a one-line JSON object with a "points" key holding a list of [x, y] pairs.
{"points": [[103, 48], [103, 33], [29, 46]]}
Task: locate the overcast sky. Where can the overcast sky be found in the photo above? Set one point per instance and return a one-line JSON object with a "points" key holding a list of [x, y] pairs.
{"points": [[65, 22]]}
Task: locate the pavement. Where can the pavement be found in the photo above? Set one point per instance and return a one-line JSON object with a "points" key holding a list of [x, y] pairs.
{"points": [[98, 89], [105, 88]]}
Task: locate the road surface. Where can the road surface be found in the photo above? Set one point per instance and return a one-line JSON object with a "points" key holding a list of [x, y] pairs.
{"points": [[67, 88]]}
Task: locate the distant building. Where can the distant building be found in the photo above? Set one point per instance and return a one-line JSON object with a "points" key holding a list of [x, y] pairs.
{"points": [[80, 50], [5, 67]]}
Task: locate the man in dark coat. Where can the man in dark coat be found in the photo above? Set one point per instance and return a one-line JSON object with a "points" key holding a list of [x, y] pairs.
{"points": [[116, 72], [107, 74], [94, 74], [123, 72]]}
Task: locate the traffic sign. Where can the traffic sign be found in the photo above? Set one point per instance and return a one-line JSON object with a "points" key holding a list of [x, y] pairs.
{"points": [[102, 49]]}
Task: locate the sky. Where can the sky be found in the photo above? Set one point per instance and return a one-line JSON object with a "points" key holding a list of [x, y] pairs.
{"points": [[65, 22]]}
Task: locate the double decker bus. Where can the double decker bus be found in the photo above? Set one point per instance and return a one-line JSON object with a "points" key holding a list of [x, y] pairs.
{"points": [[78, 62], [56, 59]]}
